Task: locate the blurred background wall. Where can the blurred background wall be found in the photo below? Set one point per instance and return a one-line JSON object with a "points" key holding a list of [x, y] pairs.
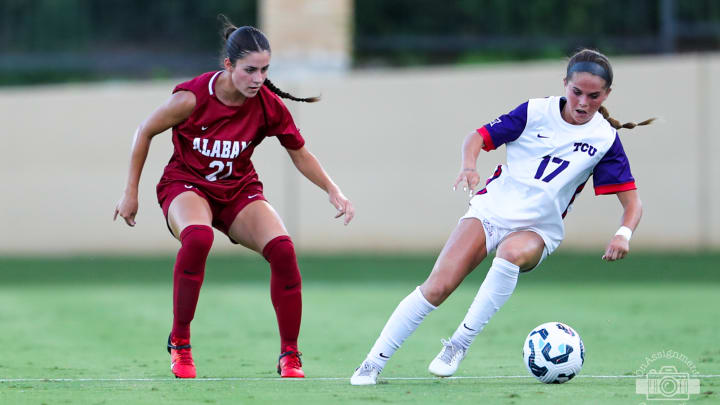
{"points": [[402, 84]]}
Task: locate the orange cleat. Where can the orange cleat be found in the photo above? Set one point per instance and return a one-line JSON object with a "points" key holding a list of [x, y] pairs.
{"points": [[181, 361], [290, 365]]}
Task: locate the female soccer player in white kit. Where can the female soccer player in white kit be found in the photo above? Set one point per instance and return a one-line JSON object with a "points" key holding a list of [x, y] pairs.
{"points": [[553, 146]]}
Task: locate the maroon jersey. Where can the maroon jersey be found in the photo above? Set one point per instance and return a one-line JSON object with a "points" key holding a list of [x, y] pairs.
{"points": [[214, 144]]}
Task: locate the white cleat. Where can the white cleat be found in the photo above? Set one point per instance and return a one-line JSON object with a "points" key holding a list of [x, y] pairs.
{"points": [[366, 374], [447, 361]]}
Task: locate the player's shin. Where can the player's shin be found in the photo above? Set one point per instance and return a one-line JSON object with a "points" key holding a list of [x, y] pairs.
{"points": [[188, 276], [498, 286], [285, 290], [402, 323]]}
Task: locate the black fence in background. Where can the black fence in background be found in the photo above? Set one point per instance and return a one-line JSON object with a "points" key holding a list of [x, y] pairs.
{"points": [[59, 40], [403, 32], [45, 41]]}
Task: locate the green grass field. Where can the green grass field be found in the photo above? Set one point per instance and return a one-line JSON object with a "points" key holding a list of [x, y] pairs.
{"points": [[93, 331]]}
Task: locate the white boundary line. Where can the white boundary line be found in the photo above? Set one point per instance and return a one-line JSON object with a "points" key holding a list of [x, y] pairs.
{"points": [[493, 377]]}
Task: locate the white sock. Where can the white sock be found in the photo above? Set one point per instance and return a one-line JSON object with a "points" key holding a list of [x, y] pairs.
{"points": [[402, 323], [498, 286]]}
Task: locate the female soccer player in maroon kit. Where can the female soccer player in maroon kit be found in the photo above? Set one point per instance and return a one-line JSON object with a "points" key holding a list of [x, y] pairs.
{"points": [[217, 120]]}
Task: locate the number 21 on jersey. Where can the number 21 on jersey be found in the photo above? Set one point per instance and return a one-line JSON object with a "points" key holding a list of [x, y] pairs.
{"points": [[219, 166]]}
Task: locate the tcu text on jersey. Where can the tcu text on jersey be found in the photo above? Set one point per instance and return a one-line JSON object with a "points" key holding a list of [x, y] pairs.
{"points": [[584, 147], [220, 149]]}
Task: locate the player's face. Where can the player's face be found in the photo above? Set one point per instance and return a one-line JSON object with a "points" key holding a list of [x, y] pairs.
{"points": [[585, 93], [249, 72]]}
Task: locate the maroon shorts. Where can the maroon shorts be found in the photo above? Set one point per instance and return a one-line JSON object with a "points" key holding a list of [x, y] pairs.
{"points": [[223, 213]]}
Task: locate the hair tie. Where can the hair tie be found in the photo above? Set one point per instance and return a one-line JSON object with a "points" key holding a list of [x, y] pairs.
{"points": [[590, 67]]}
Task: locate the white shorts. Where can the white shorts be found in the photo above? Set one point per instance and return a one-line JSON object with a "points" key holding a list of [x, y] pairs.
{"points": [[495, 234]]}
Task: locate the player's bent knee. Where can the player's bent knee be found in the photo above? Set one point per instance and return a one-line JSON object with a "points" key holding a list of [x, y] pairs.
{"points": [[533, 262], [280, 253], [525, 259], [436, 293], [512, 256], [280, 248], [198, 238], [525, 263]]}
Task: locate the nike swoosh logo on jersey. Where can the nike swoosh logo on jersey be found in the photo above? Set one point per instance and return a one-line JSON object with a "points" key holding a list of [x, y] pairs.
{"points": [[384, 356], [540, 136], [186, 186], [204, 128], [253, 196]]}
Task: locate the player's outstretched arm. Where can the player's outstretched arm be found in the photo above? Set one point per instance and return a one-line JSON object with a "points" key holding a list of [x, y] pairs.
{"points": [[632, 212], [173, 112], [311, 168], [468, 176]]}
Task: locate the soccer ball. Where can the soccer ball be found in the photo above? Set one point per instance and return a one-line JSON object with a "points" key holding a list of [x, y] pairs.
{"points": [[553, 353]]}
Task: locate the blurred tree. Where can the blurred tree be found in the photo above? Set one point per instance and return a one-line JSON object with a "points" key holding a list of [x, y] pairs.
{"points": [[58, 40], [425, 31], [51, 40], [48, 25]]}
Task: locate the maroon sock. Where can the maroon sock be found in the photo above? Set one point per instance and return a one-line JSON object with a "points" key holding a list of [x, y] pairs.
{"points": [[188, 276], [285, 289]]}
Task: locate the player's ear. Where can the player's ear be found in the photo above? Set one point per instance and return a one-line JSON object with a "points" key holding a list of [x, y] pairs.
{"points": [[604, 97], [228, 65]]}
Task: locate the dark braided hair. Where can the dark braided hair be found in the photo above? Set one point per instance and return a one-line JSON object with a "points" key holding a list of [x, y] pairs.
{"points": [[270, 85], [240, 41], [616, 124], [591, 61]]}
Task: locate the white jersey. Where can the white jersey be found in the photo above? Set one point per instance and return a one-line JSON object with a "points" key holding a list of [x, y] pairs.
{"points": [[548, 163]]}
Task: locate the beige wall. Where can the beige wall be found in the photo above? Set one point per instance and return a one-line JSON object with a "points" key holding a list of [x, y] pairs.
{"points": [[309, 35], [391, 139]]}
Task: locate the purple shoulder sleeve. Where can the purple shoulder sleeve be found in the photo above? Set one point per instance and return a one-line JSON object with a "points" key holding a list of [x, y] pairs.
{"points": [[505, 128], [612, 174]]}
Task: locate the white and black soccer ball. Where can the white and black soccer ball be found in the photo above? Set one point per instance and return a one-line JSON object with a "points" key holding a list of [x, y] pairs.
{"points": [[553, 353]]}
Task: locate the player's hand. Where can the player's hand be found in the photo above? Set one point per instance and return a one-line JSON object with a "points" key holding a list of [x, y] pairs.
{"points": [[617, 249], [127, 208], [342, 204], [469, 179]]}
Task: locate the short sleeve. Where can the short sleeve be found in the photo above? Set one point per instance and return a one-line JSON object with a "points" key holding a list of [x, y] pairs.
{"points": [[191, 86], [612, 174], [505, 128], [281, 124]]}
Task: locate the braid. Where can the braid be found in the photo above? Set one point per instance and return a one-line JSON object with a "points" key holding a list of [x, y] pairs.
{"points": [[289, 96], [616, 124]]}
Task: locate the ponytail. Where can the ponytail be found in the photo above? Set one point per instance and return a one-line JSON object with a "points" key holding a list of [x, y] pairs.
{"points": [[288, 96], [617, 125], [228, 27]]}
